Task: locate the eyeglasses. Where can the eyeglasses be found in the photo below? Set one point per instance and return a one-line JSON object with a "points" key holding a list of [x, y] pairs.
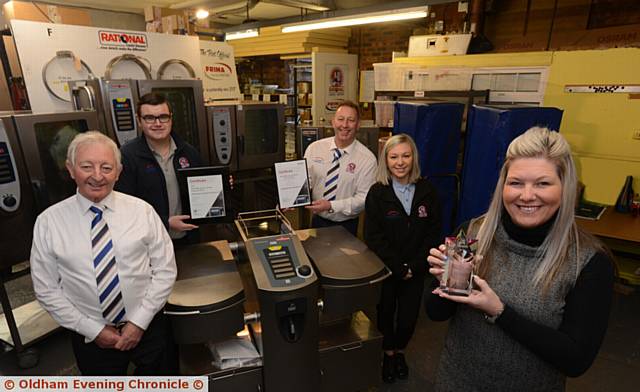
{"points": [[163, 118]]}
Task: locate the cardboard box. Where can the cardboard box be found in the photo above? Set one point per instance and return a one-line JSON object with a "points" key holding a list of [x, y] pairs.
{"points": [[154, 27], [169, 24], [152, 13], [45, 13], [169, 11], [174, 24]]}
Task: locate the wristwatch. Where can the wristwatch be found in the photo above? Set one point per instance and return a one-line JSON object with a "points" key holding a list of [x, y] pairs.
{"points": [[492, 319]]}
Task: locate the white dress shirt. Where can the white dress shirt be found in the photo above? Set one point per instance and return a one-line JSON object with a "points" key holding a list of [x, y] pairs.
{"points": [[357, 174], [62, 269]]}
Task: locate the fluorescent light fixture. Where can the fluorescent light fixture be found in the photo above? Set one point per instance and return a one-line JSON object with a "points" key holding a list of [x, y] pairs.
{"points": [[354, 20], [201, 14], [242, 34]]}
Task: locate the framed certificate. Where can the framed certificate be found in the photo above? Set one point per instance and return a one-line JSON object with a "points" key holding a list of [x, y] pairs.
{"points": [[204, 193], [292, 179]]}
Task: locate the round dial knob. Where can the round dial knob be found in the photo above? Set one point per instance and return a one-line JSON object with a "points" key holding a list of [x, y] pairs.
{"points": [[223, 123], [304, 270], [224, 156], [223, 139], [9, 201]]}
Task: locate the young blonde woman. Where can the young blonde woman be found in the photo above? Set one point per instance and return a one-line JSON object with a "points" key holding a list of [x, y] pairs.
{"points": [[402, 223], [543, 290]]}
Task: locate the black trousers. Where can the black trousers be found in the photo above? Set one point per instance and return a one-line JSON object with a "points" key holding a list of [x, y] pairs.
{"points": [[398, 311], [155, 355], [351, 225]]}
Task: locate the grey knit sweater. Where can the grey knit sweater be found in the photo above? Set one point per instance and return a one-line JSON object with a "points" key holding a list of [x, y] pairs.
{"points": [[478, 356]]}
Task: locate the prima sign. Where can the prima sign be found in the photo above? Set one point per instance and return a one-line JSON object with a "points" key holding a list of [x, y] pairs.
{"points": [[216, 71], [220, 80]]}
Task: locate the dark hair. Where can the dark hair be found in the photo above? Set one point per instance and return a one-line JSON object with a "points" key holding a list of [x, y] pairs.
{"points": [[350, 104], [152, 99]]}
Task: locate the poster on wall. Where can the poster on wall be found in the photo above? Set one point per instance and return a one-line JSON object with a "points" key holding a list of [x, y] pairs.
{"points": [[335, 89], [53, 54], [336, 77], [220, 81]]}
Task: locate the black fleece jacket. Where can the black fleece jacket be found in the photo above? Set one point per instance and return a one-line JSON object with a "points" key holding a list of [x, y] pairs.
{"points": [[142, 176], [403, 241]]}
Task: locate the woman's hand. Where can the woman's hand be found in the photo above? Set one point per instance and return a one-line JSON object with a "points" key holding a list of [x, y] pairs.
{"points": [[485, 299], [436, 260]]}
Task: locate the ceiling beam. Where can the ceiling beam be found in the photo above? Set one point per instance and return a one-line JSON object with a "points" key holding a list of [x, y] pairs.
{"points": [[298, 4]]}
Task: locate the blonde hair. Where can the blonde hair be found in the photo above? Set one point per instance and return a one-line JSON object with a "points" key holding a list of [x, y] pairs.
{"points": [[92, 137], [555, 250], [383, 174]]}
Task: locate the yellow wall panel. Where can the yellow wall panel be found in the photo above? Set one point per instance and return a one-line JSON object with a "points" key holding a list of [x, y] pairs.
{"points": [[598, 126]]}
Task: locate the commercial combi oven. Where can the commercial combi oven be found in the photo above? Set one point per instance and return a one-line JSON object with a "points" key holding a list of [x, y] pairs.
{"points": [[17, 207], [34, 176], [246, 136]]}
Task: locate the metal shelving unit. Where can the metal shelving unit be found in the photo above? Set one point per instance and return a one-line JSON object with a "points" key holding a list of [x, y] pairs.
{"points": [[297, 69]]}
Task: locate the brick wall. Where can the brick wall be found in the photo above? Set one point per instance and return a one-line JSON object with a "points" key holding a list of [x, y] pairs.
{"points": [[518, 25], [374, 43]]}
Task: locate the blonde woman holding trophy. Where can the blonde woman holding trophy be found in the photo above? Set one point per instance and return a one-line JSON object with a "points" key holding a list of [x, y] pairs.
{"points": [[542, 289]]}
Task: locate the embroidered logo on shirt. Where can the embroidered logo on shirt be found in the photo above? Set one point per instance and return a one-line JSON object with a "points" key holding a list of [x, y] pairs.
{"points": [[150, 168], [351, 167], [422, 212], [184, 162]]}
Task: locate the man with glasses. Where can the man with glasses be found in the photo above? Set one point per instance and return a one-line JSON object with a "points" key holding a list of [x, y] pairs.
{"points": [[150, 163]]}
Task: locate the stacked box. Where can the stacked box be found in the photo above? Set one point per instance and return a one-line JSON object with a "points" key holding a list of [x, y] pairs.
{"points": [[166, 20]]}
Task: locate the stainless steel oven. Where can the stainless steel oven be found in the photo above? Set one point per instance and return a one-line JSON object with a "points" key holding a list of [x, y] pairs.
{"points": [[44, 139], [33, 175], [246, 136], [17, 208]]}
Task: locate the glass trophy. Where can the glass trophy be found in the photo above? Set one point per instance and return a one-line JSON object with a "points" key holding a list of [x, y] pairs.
{"points": [[457, 278]]}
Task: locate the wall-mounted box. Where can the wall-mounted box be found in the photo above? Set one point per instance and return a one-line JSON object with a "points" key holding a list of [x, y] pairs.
{"points": [[438, 45]]}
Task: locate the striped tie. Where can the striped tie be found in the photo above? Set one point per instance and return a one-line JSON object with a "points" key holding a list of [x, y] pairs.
{"points": [[104, 262], [331, 185]]}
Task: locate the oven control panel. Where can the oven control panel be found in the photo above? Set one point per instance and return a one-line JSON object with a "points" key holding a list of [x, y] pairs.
{"points": [[9, 181], [222, 134], [123, 113], [282, 261]]}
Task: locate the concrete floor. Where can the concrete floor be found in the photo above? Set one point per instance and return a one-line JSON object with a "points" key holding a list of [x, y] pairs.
{"points": [[617, 367]]}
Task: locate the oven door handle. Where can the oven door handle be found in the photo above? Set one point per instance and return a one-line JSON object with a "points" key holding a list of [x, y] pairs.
{"points": [[90, 95], [240, 145], [40, 195]]}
